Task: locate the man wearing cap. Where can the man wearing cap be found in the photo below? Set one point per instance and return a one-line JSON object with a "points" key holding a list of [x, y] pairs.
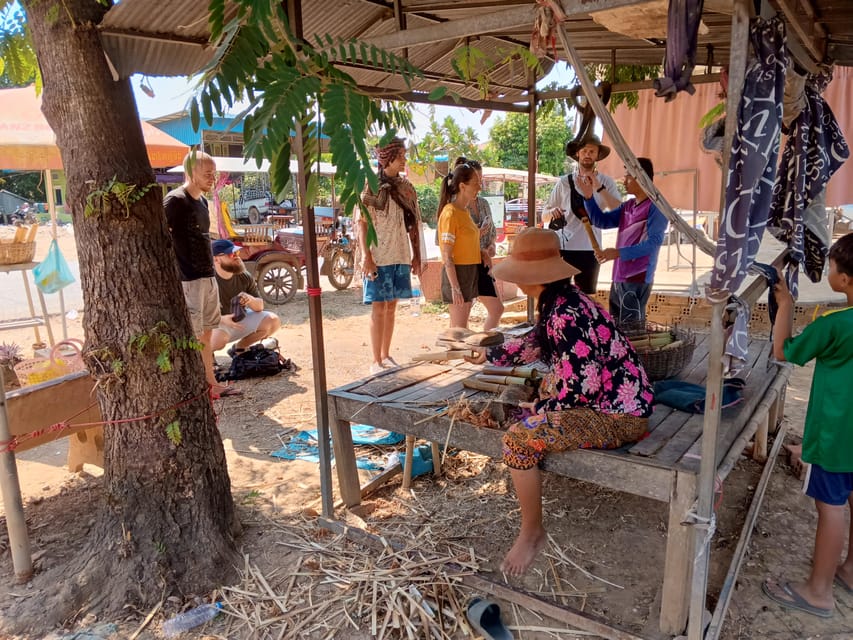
{"points": [[242, 309], [189, 223], [565, 205], [641, 230]]}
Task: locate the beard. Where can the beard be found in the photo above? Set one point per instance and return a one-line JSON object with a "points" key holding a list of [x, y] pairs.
{"points": [[233, 267], [587, 165]]}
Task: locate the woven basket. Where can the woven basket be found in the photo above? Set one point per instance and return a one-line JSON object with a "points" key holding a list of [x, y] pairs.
{"points": [[17, 252], [66, 357], [661, 364]]}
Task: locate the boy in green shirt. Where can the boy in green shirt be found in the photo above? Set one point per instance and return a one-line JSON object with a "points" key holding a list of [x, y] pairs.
{"points": [[827, 435]]}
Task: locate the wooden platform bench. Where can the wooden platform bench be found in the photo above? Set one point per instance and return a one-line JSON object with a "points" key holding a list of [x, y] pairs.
{"points": [[664, 466], [37, 407]]}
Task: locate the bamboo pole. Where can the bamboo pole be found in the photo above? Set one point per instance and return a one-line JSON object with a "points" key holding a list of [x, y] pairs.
{"points": [[19, 541], [624, 151], [714, 382]]}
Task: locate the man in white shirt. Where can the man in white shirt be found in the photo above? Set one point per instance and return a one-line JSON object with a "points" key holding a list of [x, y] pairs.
{"points": [[563, 206]]}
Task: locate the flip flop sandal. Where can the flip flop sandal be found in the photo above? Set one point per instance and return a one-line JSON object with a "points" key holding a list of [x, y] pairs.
{"points": [[485, 616], [844, 586], [226, 392], [794, 600]]}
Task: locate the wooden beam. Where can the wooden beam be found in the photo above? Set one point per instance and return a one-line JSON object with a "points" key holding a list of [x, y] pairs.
{"points": [[423, 98], [801, 27], [625, 87], [522, 16]]}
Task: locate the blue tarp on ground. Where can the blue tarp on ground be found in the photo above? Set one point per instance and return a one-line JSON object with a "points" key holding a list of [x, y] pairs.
{"points": [[304, 445]]}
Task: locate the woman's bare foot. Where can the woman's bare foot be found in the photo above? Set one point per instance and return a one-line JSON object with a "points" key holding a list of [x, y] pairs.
{"points": [[523, 552]]}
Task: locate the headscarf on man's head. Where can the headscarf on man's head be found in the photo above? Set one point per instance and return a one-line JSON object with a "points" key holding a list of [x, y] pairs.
{"points": [[387, 154], [398, 189]]}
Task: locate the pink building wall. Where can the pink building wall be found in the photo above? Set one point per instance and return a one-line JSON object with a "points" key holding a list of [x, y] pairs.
{"points": [[668, 133]]}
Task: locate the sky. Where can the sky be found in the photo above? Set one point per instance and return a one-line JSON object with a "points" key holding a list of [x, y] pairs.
{"points": [[172, 95]]}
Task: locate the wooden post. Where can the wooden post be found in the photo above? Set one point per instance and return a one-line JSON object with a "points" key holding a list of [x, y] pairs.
{"points": [[531, 177], [407, 465], [678, 563], [714, 383], [19, 541]]}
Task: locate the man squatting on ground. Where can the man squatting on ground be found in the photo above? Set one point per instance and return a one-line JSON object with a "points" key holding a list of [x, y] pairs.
{"points": [[189, 223], [235, 283], [566, 204]]}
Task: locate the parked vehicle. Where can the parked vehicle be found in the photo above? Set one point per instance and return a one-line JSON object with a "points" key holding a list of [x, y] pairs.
{"points": [[23, 214], [253, 206], [276, 259]]}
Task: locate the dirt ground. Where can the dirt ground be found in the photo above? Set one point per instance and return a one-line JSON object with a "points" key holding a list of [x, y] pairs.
{"points": [[605, 556]]}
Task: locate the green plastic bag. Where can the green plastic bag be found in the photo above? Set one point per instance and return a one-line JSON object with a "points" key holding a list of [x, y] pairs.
{"points": [[53, 273]]}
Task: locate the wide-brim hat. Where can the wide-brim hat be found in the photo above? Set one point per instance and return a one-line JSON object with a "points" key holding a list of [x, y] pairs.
{"points": [[534, 259], [572, 147]]}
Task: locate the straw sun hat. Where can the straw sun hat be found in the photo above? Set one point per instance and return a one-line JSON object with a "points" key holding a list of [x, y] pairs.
{"points": [[534, 259]]}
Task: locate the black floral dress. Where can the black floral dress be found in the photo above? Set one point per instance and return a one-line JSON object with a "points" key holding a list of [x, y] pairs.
{"points": [[596, 393]]}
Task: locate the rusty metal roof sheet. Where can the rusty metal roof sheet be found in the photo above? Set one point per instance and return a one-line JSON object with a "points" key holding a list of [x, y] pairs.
{"points": [[170, 37]]}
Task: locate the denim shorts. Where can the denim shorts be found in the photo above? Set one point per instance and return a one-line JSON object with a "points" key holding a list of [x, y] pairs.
{"points": [[827, 486], [392, 282]]}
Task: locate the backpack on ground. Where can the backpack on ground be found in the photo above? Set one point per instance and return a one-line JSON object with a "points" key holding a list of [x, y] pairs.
{"points": [[255, 362]]}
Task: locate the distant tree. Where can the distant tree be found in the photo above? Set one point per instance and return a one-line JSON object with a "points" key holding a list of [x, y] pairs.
{"points": [[428, 201], [444, 138], [28, 185], [508, 141]]}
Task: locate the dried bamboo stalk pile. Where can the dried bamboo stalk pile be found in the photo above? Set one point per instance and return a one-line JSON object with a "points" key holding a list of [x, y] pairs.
{"points": [[334, 585]]}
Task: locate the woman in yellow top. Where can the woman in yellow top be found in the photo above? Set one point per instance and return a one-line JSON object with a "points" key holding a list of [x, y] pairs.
{"points": [[459, 240]]}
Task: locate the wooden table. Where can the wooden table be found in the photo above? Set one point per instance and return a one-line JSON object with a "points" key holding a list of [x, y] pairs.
{"points": [[664, 466]]}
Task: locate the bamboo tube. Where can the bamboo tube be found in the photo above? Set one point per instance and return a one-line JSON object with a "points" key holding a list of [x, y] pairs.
{"points": [[500, 379], [521, 372], [480, 385], [589, 232]]}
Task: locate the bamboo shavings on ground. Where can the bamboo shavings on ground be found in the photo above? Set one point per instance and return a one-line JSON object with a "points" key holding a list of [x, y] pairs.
{"points": [[331, 585]]}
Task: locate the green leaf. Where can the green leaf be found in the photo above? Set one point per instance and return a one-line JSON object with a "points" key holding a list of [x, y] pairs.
{"points": [[194, 115], [437, 93], [173, 432]]}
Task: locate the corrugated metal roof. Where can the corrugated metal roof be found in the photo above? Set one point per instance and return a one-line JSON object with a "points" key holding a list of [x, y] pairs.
{"points": [[169, 37]]}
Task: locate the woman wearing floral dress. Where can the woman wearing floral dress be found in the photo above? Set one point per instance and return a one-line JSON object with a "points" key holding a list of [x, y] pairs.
{"points": [[595, 394]]}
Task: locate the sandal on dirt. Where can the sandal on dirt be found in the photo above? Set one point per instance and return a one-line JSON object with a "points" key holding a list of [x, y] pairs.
{"points": [[227, 391], [485, 616], [843, 584], [790, 599]]}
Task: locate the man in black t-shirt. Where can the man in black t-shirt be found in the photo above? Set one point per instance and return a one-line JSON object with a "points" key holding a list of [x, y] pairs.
{"points": [[189, 223], [242, 309]]}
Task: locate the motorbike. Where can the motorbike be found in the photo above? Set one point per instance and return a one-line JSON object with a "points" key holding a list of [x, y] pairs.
{"points": [[21, 216]]}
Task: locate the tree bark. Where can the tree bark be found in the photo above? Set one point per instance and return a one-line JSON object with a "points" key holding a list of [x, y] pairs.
{"points": [[168, 521]]}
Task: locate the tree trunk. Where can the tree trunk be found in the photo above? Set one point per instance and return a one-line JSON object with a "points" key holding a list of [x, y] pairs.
{"points": [[168, 520]]}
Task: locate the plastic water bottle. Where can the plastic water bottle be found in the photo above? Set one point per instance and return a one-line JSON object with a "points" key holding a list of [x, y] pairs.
{"points": [[190, 619], [415, 304]]}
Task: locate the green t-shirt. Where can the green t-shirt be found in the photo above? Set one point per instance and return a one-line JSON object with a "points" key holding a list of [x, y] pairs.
{"points": [[238, 283], [828, 433]]}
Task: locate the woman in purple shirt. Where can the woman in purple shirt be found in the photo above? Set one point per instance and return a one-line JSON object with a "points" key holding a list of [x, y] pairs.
{"points": [[641, 230]]}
